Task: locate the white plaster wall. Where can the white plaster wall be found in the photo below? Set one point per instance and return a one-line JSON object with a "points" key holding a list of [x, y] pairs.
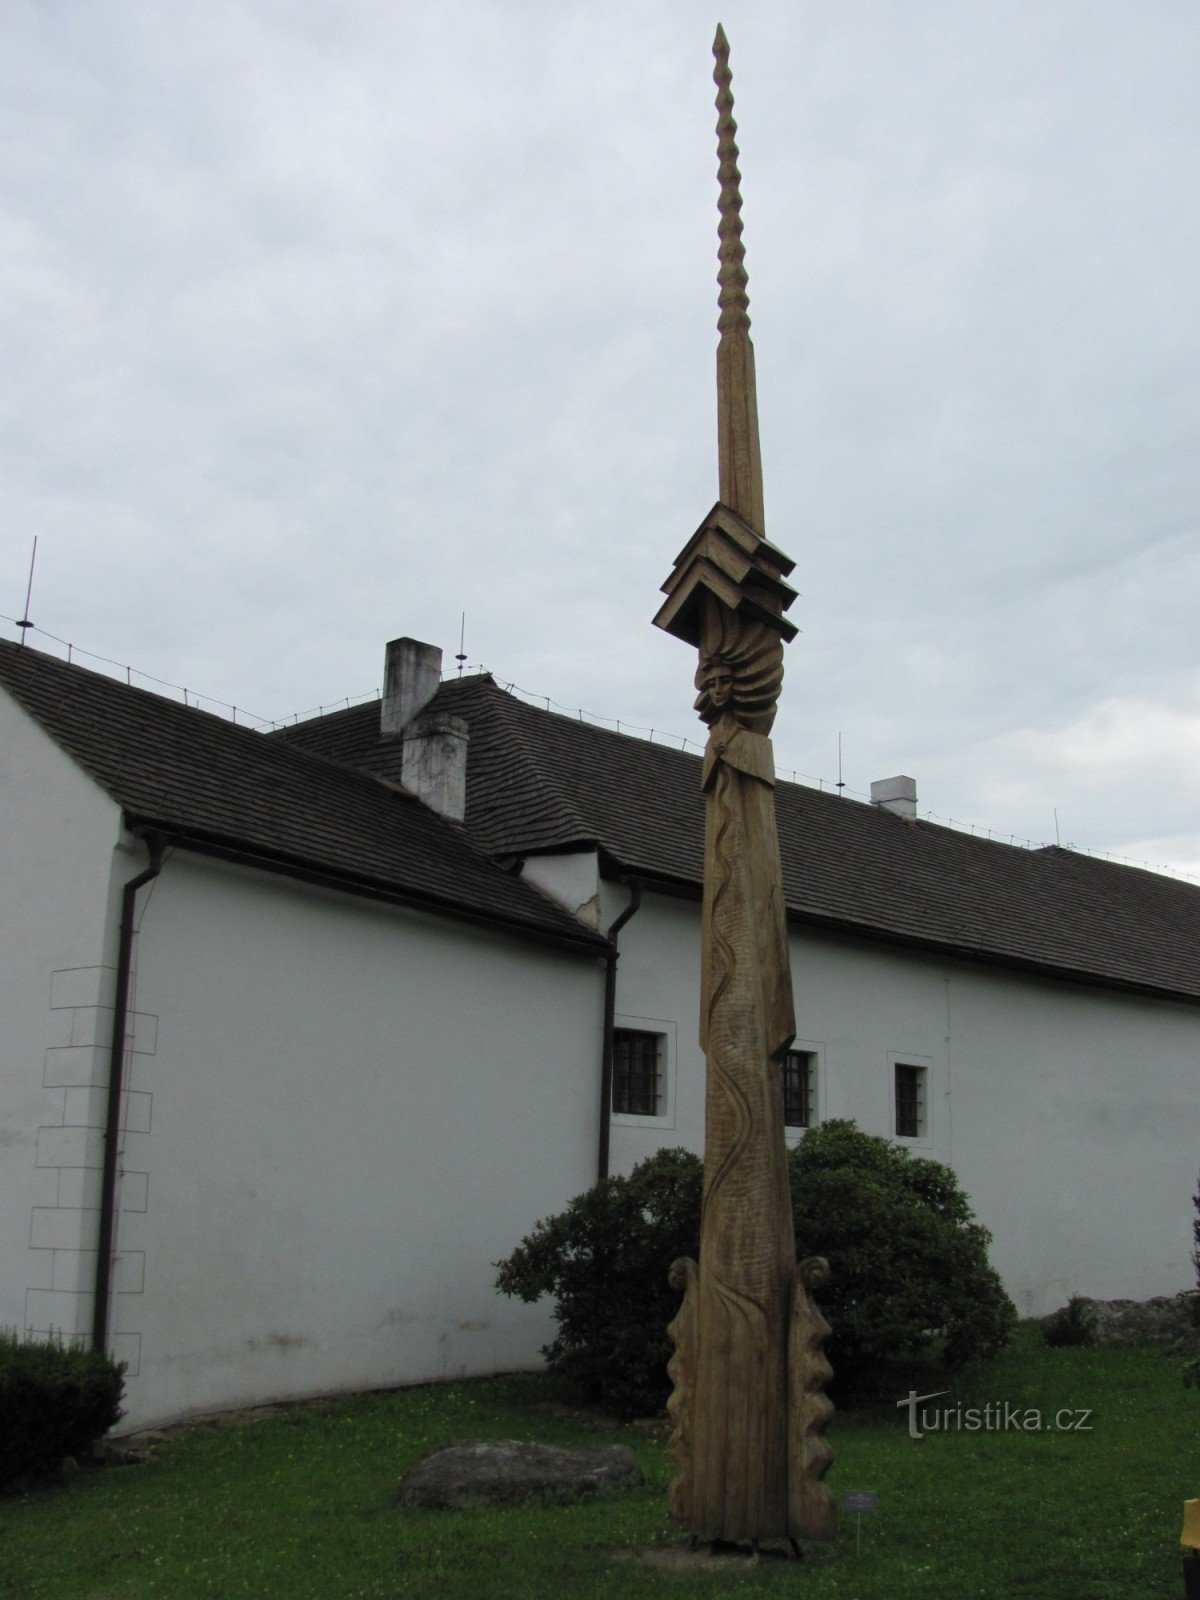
{"points": [[350, 1112], [572, 879], [658, 990], [1071, 1113], [1077, 1127], [57, 885]]}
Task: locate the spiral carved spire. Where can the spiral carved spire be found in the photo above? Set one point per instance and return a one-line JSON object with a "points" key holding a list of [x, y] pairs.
{"points": [[737, 400], [733, 278]]}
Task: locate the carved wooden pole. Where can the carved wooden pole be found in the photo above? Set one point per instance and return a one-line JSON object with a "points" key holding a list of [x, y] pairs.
{"points": [[748, 1368]]}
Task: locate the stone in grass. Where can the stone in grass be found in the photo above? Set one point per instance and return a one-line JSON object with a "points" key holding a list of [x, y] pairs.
{"points": [[508, 1472], [1165, 1317]]}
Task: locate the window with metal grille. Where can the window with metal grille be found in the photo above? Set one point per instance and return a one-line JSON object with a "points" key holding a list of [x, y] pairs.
{"points": [[910, 1101], [799, 1088], [637, 1072]]}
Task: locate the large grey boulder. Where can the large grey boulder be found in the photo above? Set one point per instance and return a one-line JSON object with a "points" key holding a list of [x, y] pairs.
{"points": [[507, 1472], [1166, 1317]]}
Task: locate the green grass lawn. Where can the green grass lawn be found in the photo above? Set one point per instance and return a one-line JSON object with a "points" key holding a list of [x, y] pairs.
{"points": [[302, 1505]]}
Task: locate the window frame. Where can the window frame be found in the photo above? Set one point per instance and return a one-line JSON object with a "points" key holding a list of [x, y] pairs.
{"points": [[637, 1072], [815, 1049], [923, 1064], [806, 1066], [665, 1030]]}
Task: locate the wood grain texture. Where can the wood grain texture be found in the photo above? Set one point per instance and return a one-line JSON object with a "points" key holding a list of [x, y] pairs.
{"points": [[748, 1369], [812, 1510], [737, 393]]}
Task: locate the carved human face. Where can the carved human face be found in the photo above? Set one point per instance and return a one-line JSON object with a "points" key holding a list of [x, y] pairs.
{"points": [[716, 689], [739, 673], [718, 682]]}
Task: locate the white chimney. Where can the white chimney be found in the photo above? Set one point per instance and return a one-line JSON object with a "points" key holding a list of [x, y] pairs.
{"points": [[412, 672], [433, 760], [896, 794], [433, 765]]}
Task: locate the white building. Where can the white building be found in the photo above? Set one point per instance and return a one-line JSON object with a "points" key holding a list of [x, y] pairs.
{"points": [[1041, 1007], [363, 1049], [357, 1062]]}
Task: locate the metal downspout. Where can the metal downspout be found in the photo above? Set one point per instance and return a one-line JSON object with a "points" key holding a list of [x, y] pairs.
{"points": [[610, 1006], [116, 1074]]}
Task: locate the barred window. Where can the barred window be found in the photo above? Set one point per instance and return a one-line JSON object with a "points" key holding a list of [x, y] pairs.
{"points": [[910, 1101], [637, 1072], [799, 1088]]}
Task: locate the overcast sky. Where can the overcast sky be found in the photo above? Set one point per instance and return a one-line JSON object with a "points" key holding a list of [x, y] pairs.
{"points": [[323, 323]]}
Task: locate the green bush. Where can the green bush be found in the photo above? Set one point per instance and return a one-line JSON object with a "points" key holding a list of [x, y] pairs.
{"points": [[1073, 1324], [910, 1276], [54, 1402], [605, 1260]]}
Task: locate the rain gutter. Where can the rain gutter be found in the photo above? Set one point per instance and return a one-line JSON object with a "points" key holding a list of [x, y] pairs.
{"points": [[610, 1006], [155, 845]]}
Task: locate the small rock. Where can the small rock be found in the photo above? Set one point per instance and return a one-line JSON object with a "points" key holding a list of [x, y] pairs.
{"points": [[115, 1453], [68, 1468], [509, 1472]]}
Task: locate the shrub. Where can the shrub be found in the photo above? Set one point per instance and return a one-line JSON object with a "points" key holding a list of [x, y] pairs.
{"points": [[605, 1261], [1072, 1324], [54, 1402], [910, 1272]]}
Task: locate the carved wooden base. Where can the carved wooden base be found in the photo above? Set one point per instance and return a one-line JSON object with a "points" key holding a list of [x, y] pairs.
{"points": [[746, 1469]]}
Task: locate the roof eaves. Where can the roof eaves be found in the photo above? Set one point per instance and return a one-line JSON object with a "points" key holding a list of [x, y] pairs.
{"points": [[583, 942], [979, 956], [859, 929]]}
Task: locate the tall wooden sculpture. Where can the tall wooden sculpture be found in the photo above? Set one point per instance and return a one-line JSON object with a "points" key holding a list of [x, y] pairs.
{"points": [[748, 1368]]}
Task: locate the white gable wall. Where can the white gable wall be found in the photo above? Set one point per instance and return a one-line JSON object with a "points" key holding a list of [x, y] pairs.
{"points": [[1071, 1113], [58, 910], [573, 880], [350, 1112]]}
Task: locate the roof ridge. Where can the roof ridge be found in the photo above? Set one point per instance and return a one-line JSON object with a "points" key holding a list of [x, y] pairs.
{"points": [[279, 730], [20, 652], [823, 796], [823, 789], [339, 710], [263, 741]]}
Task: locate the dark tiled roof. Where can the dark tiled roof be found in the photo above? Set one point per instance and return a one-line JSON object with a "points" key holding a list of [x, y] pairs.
{"points": [[538, 781], [239, 792]]}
